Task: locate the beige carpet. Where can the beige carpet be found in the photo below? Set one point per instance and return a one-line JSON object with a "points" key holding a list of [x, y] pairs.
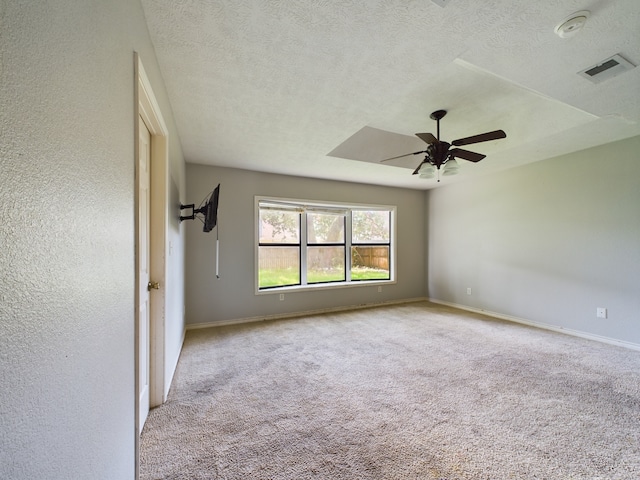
{"points": [[417, 391]]}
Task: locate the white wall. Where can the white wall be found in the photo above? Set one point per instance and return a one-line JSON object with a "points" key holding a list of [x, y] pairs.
{"points": [[548, 242], [174, 322], [67, 236], [232, 296]]}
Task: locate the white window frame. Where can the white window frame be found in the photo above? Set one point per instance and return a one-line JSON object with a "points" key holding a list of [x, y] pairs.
{"points": [[311, 205]]}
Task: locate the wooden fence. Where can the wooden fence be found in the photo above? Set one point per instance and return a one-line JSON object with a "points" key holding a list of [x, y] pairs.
{"points": [[371, 257], [278, 258], [283, 258]]}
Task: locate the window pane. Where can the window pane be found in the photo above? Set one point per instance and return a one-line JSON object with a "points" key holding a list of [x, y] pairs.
{"points": [[370, 262], [279, 227], [370, 226], [278, 266], [325, 264], [325, 228]]}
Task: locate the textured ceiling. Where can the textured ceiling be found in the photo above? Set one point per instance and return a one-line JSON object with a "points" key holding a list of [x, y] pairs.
{"points": [[277, 86]]}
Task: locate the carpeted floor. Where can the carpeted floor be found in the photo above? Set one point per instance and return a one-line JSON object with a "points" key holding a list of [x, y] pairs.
{"points": [[416, 391]]}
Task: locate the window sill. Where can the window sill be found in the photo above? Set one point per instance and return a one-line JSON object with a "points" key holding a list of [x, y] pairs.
{"points": [[323, 286]]}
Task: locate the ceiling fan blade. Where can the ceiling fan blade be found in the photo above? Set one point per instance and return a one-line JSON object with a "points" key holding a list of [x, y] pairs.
{"points": [[466, 154], [405, 155], [415, 172], [483, 137], [427, 137]]}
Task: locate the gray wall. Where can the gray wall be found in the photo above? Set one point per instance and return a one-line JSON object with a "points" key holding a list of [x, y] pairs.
{"points": [[232, 296], [67, 236], [548, 242]]}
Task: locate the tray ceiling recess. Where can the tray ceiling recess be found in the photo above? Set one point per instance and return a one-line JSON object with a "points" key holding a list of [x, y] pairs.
{"points": [[473, 98]]}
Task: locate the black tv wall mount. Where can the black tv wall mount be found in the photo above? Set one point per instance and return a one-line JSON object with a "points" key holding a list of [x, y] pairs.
{"points": [[194, 210]]}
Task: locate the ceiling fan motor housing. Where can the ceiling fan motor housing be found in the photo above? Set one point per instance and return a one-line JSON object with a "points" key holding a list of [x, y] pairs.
{"points": [[437, 153]]}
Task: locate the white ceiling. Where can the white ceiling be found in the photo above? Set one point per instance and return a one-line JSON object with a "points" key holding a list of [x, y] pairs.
{"points": [[276, 86]]}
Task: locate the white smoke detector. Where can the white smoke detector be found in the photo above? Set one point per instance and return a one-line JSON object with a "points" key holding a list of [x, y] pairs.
{"points": [[572, 24]]}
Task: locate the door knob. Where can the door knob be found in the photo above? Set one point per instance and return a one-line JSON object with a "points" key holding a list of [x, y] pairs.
{"points": [[153, 285]]}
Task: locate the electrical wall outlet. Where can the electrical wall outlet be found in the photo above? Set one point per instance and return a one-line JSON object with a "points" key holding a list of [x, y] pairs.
{"points": [[468, 290], [601, 312], [379, 288], [281, 297]]}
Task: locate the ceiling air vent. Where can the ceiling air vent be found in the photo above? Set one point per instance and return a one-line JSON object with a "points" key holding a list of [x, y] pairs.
{"points": [[609, 68]]}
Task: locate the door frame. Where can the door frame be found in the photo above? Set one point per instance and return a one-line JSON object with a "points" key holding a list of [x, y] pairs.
{"points": [[146, 106]]}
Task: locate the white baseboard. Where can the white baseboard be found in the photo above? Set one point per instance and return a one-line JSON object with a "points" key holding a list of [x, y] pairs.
{"points": [[545, 326], [280, 316], [510, 318]]}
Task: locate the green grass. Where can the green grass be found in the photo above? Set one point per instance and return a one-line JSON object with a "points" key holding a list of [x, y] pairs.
{"points": [[275, 278], [369, 274]]}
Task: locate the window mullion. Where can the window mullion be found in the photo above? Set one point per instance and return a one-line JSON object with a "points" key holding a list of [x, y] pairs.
{"points": [[347, 247], [303, 248]]}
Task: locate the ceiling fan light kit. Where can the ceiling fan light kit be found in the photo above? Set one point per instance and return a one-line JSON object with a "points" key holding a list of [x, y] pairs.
{"points": [[427, 170], [450, 167], [440, 154]]}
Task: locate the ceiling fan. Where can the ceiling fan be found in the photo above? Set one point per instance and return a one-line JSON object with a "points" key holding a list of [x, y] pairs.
{"points": [[440, 154]]}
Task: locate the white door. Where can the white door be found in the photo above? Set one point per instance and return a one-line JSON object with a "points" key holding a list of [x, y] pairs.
{"points": [[144, 180]]}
